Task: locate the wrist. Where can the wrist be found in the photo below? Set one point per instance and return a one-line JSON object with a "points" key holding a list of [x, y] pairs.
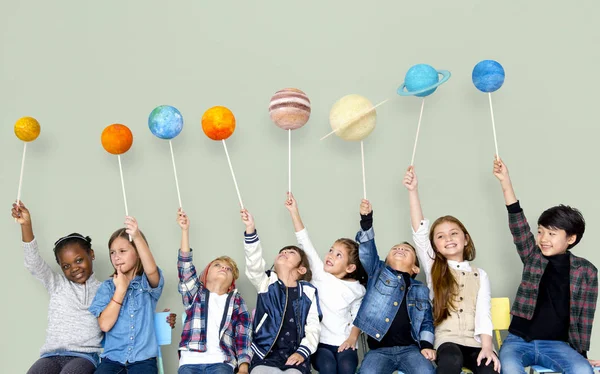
{"points": [[120, 293]]}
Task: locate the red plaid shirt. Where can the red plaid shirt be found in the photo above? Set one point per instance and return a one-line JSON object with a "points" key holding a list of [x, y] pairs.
{"points": [[583, 283]]}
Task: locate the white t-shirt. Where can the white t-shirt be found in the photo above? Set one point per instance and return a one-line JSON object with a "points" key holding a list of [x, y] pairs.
{"points": [[213, 354], [339, 299]]}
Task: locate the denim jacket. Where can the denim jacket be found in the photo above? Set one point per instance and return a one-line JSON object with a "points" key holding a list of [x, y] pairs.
{"points": [[385, 291]]}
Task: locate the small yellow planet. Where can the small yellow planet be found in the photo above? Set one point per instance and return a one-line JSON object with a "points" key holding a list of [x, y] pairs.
{"points": [[353, 117], [27, 129]]}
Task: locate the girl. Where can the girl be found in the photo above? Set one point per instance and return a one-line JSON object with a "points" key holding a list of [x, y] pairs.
{"points": [[216, 333], [460, 293], [287, 324], [73, 338], [125, 304], [340, 279]]}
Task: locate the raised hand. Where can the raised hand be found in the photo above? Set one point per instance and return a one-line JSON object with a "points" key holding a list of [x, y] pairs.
{"points": [[500, 170], [182, 220], [410, 179], [21, 214], [365, 207], [248, 221], [131, 227], [291, 204]]}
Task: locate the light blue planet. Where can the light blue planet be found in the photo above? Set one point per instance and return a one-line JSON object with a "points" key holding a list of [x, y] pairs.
{"points": [[165, 122], [422, 80], [488, 76]]}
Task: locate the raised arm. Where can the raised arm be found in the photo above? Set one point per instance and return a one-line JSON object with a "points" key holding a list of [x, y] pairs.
{"points": [[189, 284], [316, 264], [150, 268], [33, 261], [367, 250], [255, 263], [420, 227], [501, 172]]}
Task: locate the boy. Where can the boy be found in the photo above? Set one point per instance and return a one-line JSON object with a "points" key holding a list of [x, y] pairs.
{"points": [[395, 313], [556, 299], [216, 334]]}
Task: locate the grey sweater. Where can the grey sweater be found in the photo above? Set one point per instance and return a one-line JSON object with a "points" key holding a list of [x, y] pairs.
{"points": [[71, 326]]}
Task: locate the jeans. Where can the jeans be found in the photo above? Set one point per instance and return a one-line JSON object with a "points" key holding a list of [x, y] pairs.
{"points": [[328, 360], [516, 354], [206, 369], [141, 367], [408, 360]]}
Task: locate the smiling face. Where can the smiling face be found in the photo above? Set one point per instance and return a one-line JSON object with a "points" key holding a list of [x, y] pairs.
{"points": [[76, 262], [553, 241], [336, 261], [402, 257], [124, 256], [450, 240]]}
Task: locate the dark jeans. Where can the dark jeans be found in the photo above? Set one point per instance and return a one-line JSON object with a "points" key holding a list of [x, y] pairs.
{"points": [[62, 365], [141, 367], [451, 358], [328, 360]]}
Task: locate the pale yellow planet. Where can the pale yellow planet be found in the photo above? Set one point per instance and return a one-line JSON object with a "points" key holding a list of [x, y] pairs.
{"points": [[353, 117]]}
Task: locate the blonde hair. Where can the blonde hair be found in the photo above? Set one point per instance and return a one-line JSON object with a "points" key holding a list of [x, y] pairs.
{"points": [[229, 261], [122, 233]]}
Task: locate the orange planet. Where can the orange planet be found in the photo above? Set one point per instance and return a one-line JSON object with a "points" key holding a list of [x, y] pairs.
{"points": [[117, 139], [218, 123], [27, 129]]}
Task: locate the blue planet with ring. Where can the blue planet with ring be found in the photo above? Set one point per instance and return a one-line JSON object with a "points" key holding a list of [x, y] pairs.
{"points": [[488, 76], [165, 122], [422, 80]]}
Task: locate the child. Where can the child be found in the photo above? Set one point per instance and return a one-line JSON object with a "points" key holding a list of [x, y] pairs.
{"points": [[554, 308], [395, 313], [460, 293], [73, 338], [340, 279], [287, 324], [125, 304], [216, 334]]}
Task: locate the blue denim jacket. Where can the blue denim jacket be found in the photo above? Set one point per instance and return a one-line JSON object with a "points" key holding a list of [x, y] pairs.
{"points": [[132, 338], [385, 291]]}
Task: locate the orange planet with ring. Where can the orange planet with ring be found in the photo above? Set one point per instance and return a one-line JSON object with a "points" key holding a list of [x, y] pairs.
{"points": [[218, 123], [27, 129], [117, 139]]}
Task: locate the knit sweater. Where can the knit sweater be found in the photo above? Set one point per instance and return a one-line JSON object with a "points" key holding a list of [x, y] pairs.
{"points": [[71, 327]]}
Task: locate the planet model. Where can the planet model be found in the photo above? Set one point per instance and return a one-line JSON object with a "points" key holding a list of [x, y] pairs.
{"points": [[289, 108], [488, 76], [353, 117], [422, 80], [117, 139], [218, 123], [27, 129], [165, 122]]}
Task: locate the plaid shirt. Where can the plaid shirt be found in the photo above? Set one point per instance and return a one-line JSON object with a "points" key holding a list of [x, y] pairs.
{"points": [[583, 283], [236, 327]]}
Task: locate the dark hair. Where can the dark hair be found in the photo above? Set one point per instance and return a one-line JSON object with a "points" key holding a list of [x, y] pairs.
{"points": [[360, 274], [563, 217], [122, 233], [445, 286], [413, 276], [84, 242], [303, 262]]}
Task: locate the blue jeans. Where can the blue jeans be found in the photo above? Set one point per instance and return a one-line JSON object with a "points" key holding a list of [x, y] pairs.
{"points": [[328, 360], [516, 354], [408, 360], [141, 367], [206, 369]]}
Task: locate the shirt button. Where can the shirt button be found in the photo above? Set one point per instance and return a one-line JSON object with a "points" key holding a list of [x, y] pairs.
{"points": [[387, 281], [131, 326], [402, 288], [377, 335], [462, 285], [131, 338], [399, 276], [475, 274], [457, 265], [464, 273], [395, 303], [461, 298], [387, 320], [460, 310], [131, 316]]}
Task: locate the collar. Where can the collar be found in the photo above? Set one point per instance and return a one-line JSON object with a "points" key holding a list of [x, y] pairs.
{"points": [[463, 265]]}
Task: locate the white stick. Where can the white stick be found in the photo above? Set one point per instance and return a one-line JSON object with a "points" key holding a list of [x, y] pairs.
{"points": [[348, 123], [175, 172], [123, 187], [290, 160], [362, 154], [233, 175], [412, 161], [21, 177], [493, 125]]}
